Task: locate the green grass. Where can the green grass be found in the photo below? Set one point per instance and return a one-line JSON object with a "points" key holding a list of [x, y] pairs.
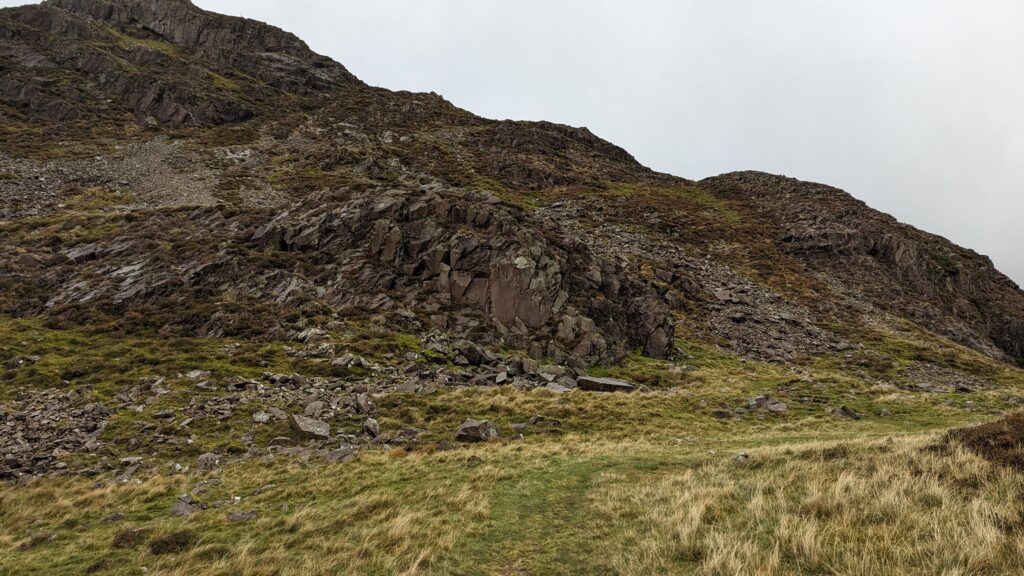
{"points": [[224, 83], [684, 195], [629, 484], [126, 42], [572, 506]]}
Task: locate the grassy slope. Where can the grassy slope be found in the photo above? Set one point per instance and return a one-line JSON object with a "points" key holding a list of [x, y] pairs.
{"points": [[858, 505], [625, 484], [622, 484]]}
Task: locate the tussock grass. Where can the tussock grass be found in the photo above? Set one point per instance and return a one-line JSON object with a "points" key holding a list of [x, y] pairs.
{"points": [[881, 507], [626, 484], [864, 506]]}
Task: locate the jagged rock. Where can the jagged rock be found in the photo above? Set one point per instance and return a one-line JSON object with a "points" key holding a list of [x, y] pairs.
{"points": [[208, 462], [236, 516], [343, 454], [363, 404], [474, 354], [476, 431], [596, 384], [314, 409], [184, 506], [281, 442], [845, 412], [767, 403], [309, 427], [291, 209], [371, 427]]}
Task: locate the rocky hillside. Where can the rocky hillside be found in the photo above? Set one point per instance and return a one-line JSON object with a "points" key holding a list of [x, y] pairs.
{"points": [[246, 178], [240, 287]]}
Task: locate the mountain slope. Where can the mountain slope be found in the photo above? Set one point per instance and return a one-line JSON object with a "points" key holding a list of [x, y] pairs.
{"points": [[225, 258], [187, 67]]}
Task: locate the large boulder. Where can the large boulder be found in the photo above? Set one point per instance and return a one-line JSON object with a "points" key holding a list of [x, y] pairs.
{"points": [[476, 431], [208, 462], [309, 427], [596, 384]]}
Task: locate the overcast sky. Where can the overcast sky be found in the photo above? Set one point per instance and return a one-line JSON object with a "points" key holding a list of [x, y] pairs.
{"points": [[915, 106]]}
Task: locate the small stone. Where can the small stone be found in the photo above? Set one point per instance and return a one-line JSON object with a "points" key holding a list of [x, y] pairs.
{"points": [[845, 412], [777, 408], [281, 442], [183, 507], [261, 417]]}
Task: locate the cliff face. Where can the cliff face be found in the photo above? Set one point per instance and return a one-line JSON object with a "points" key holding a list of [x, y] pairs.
{"points": [[919, 276], [212, 176], [165, 62]]}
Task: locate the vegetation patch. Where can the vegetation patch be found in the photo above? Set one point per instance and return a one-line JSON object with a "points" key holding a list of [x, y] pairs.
{"points": [[1001, 441]]}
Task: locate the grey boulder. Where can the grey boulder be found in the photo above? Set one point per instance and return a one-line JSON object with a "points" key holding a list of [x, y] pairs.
{"points": [[309, 427], [596, 384], [476, 431]]}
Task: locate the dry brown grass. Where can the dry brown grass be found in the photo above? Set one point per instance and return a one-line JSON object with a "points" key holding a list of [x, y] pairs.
{"points": [[883, 507]]}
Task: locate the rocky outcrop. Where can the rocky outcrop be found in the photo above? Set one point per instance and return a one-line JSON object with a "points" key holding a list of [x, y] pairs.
{"points": [[948, 289], [165, 61], [442, 255], [257, 49], [469, 253], [301, 194], [39, 431]]}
